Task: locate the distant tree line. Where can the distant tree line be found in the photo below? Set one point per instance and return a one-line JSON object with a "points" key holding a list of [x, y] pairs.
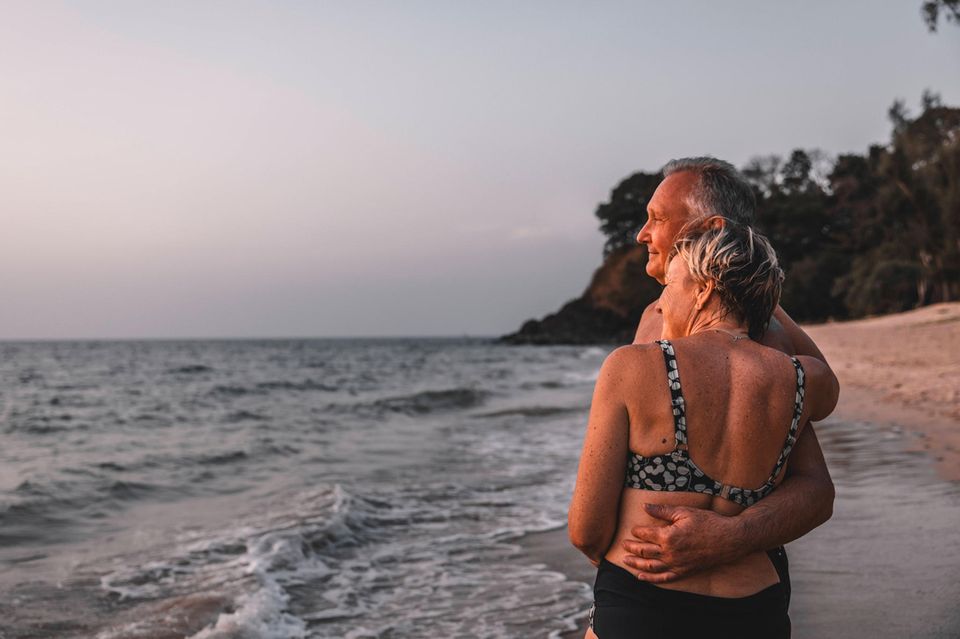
{"points": [[856, 235]]}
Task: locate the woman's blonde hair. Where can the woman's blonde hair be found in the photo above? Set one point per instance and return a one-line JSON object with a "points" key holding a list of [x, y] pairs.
{"points": [[743, 267]]}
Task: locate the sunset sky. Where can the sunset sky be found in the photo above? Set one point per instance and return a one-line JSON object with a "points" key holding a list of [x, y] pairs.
{"points": [[241, 169]]}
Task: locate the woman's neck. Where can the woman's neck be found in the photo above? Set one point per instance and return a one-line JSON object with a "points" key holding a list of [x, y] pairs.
{"points": [[703, 323]]}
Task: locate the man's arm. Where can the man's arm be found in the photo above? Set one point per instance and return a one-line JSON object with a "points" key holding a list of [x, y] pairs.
{"points": [[798, 338], [696, 539]]}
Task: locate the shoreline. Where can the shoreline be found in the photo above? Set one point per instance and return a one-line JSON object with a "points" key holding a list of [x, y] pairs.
{"points": [[901, 372], [552, 548]]}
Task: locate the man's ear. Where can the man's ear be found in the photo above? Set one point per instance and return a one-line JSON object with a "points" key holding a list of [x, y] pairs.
{"points": [[714, 222]]}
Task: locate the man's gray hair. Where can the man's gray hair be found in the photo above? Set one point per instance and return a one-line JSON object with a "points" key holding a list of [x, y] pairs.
{"points": [[720, 189]]}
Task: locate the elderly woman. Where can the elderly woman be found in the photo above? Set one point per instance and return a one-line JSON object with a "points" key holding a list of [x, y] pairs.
{"points": [[705, 418]]}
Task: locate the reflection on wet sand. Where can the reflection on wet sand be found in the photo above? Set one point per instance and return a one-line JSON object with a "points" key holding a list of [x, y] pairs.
{"points": [[886, 564]]}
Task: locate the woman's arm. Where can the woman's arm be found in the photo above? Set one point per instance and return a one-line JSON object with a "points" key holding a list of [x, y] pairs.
{"points": [[592, 520]]}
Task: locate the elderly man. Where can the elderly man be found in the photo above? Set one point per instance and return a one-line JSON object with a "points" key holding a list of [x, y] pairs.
{"points": [[708, 192]]}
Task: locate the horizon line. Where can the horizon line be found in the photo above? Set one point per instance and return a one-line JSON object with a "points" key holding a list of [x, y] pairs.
{"points": [[9, 340]]}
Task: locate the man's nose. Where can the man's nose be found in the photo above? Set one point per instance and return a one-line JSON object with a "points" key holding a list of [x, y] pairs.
{"points": [[643, 235]]}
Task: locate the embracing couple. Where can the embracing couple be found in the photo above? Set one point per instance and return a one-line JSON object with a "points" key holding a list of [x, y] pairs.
{"points": [[699, 460]]}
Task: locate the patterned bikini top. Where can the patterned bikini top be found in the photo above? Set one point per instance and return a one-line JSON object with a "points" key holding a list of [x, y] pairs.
{"points": [[675, 471]]}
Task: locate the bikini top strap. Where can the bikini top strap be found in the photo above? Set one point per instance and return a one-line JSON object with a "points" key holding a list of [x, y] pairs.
{"points": [[794, 425], [676, 395]]}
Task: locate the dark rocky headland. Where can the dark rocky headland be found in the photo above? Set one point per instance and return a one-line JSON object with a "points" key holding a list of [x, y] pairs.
{"points": [[606, 313], [856, 235]]}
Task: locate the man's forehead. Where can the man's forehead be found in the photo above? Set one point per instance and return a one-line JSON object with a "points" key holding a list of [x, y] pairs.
{"points": [[670, 196]]}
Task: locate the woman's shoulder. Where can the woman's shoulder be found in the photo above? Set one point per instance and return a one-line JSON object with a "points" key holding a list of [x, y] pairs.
{"points": [[630, 357], [634, 352], [736, 357]]}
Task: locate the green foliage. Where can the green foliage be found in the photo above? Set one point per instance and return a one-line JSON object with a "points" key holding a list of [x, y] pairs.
{"points": [[932, 9], [873, 287], [882, 234], [810, 286], [858, 235]]}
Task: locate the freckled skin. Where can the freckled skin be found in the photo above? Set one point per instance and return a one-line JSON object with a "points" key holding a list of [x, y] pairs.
{"points": [[681, 541], [740, 400]]}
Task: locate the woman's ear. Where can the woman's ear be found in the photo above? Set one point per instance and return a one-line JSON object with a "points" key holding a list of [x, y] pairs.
{"points": [[704, 291]]}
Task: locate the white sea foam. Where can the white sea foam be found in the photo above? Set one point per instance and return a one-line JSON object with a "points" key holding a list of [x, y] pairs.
{"points": [[594, 352], [441, 485], [256, 561], [581, 377], [259, 615]]}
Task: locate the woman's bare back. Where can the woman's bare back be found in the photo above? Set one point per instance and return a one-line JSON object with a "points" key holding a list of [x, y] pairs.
{"points": [[739, 399]]}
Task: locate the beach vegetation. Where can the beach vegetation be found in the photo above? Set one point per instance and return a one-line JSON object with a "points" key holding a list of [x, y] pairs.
{"points": [[857, 234]]}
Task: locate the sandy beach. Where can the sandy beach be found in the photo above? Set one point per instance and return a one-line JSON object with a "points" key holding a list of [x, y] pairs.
{"points": [[900, 385], [902, 369]]}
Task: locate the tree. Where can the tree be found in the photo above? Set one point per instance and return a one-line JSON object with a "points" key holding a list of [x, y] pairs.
{"points": [[763, 172], [861, 235], [932, 8]]}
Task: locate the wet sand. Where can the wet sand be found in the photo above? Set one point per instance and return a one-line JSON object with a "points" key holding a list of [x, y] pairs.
{"points": [[885, 565], [902, 369]]}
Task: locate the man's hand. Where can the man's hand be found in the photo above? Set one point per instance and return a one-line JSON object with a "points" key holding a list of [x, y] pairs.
{"points": [[693, 540]]}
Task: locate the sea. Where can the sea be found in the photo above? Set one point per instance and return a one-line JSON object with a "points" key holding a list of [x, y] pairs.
{"points": [[286, 488], [373, 488]]}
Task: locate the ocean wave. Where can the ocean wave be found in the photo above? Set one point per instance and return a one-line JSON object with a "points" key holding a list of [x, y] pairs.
{"points": [[190, 369], [549, 383], [208, 519], [305, 385], [243, 577], [109, 465], [244, 416], [231, 390], [327, 562], [581, 377], [28, 377], [594, 352], [433, 400], [261, 613], [37, 511], [130, 490], [31, 523], [33, 424], [569, 379], [227, 457], [263, 388], [533, 411], [257, 450], [62, 506]]}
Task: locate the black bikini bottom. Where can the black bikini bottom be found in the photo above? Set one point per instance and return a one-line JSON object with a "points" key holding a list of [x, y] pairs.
{"points": [[627, 608]]}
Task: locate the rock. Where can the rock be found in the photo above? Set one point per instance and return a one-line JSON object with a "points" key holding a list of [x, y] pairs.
{"points": [[606, 313]]}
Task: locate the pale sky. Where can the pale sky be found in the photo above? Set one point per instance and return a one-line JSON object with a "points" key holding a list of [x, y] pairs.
{"points": [[241, 169]]}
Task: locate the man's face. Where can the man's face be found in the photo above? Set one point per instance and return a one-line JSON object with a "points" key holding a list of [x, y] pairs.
{"points": [[667, 214]]}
